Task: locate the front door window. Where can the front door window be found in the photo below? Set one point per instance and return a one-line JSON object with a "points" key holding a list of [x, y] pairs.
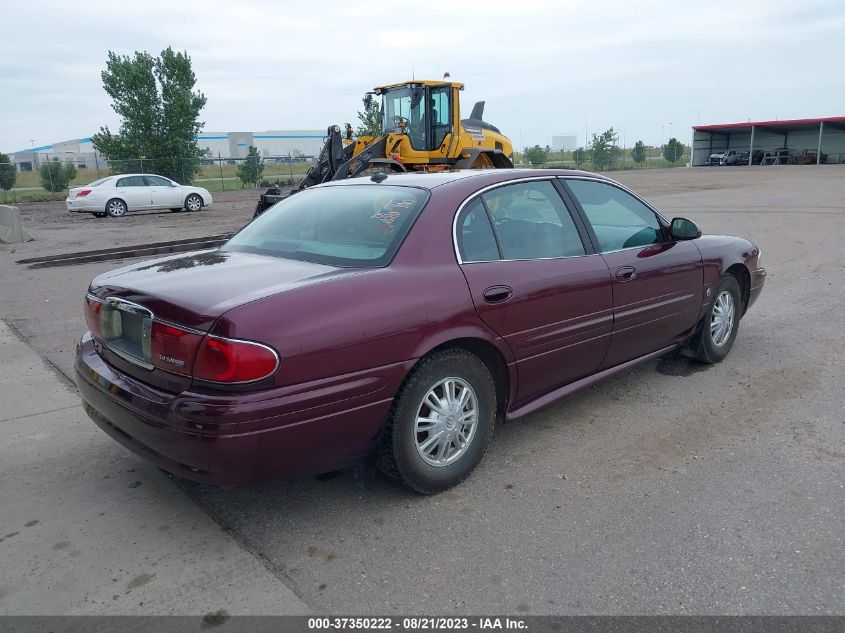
{"points": [[618, 219]]}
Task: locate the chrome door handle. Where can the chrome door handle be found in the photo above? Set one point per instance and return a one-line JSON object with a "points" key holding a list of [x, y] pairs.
{"points": [[497, 294], [626, 273]]}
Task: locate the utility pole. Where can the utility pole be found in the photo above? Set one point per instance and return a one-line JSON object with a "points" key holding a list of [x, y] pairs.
{"points": [[34, 155], [623, 147], [586, 134]]}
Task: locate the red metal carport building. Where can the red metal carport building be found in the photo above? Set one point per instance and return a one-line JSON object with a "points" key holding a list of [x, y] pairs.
{"points": [[822, 135]]}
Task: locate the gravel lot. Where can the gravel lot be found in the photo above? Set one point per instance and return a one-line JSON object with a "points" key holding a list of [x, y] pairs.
{"points": [[675, 488]]}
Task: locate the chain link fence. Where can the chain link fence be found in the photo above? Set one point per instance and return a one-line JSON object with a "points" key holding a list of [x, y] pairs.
{"points": [[611, 160], [34, 183], [43, 179]]}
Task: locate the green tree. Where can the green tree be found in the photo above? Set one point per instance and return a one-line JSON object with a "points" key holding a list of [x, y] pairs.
{"points": [[251, 169], [638, 152], [159, 111], [370, 118], [604, 149], [537, 155], [56, 176], [673, 151], [8, 174], [579, 156]]}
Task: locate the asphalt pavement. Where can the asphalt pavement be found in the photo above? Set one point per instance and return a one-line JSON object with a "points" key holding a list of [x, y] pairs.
{"points": [[85, 528]]}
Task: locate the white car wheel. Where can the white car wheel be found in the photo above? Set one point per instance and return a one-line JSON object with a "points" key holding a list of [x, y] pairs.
{"points": [[193, 202], [116, 208]]}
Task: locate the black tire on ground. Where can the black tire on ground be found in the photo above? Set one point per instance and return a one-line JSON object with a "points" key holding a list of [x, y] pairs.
{"points": [[706, 345], [99, 215], [115, 208], [193, 202], [399, 457]]}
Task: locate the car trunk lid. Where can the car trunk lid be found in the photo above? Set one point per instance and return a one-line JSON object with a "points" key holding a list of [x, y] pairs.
{"points": [[190, 291]]}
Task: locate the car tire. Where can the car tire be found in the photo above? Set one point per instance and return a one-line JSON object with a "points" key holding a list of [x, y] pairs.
{"points": [[427, 448], [99, 215], [116, 208], [716, 335], [193, 202]]}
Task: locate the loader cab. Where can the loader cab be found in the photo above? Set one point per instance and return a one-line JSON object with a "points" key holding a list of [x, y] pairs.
{"points": [[425, 112]]}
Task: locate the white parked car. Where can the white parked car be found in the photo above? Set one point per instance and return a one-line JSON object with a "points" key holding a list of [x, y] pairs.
{"points": [[116, 195]]}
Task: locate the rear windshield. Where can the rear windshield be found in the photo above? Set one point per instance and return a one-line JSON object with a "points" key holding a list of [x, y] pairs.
{"points": [[98, 182], [353, 225]]}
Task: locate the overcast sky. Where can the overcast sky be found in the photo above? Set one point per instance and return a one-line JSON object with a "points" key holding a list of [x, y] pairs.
{"points": [[541, 66]]}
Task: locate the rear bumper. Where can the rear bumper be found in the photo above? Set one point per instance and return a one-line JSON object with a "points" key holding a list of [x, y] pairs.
{"points": [[758, 279], [80, 206], [239, 437]]}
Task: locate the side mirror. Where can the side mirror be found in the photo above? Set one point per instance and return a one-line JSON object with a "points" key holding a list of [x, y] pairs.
{"points": [[683, 229]]}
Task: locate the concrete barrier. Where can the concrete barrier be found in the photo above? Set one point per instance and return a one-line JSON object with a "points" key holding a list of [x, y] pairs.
{"points": [[11, 231]]}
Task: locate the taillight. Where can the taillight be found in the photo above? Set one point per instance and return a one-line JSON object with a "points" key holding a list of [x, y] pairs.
{"points": [[93, 307], [182, 351], [172, 348], [83, 193], [227, 360]]}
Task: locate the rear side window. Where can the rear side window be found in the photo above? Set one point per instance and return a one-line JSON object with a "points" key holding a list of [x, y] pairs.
{"points": [[532, 222], [618, 219], [476, 241], [157, 181], [131, 181], [350, 225]]}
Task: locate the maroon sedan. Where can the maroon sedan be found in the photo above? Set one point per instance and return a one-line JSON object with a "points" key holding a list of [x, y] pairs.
{"points": [[400, 317]]}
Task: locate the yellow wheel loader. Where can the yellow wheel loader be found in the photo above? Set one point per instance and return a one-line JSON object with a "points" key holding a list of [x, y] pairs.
{"points": [[422, 130]]}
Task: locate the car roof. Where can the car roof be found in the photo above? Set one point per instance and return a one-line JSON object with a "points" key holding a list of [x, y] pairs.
{"points": [[480, 177], [127, 175]]}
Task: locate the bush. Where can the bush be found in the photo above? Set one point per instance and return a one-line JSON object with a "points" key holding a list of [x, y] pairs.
{"points": [[8, 173], [251, 170], [56, 176], [603, 149], [639, 153], [537, 155], [673, 151]]}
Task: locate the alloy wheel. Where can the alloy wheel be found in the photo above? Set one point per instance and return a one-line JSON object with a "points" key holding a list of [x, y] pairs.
{"points": [[722, 318], [446, 422], [116, 208]]}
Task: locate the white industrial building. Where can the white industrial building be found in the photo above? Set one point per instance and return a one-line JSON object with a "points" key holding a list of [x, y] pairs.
{"points": [[270, 144], [78, 151], [226, 145], [564, 142]]}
